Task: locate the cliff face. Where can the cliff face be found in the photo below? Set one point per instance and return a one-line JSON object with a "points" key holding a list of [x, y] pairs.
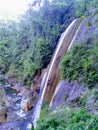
{"points": [[53, 73], [85, 34], [66, 92], [75, 103], [87, 30]]}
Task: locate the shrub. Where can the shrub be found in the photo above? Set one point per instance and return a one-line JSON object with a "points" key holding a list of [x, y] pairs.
{"points": [[69, 120], [81, 64], [88, 24]]}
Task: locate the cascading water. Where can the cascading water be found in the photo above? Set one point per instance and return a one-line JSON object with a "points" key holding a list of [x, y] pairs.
{"points": [[74, 38], [70, 32], [37, 110], [69, 48]]}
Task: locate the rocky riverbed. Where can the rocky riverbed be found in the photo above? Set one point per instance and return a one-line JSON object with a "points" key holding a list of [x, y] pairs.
{"points": [[3, 105], [16, 103]]}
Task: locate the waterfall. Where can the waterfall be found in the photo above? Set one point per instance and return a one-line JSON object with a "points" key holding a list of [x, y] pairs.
{"points": [[37, 110], [65, 38], [69, 48], [74, 38]]}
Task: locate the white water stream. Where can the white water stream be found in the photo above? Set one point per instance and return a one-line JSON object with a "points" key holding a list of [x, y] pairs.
{"points": [[37, 110], [74, 38], [69, 48], [45, 79]]}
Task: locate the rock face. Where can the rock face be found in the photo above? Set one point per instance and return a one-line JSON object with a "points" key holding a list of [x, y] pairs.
{"points": [[29, 97], [3, 105], [84, 32], [66, 92], [28, 100]]}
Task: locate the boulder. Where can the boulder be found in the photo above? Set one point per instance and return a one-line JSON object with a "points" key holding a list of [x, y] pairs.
{"points": [[28, 100]]}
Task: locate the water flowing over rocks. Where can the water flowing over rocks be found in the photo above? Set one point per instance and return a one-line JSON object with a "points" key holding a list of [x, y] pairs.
{"points": [[28, 97], [53, 73], [16, 103]]}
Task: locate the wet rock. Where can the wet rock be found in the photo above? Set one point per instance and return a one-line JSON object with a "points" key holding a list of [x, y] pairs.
{"points": [[14, 84], [36, 85], [84, 32], [28, 100], [53, 71], [3, 79], [3, 105], [26, 104], [28, 97], [3, 114]]}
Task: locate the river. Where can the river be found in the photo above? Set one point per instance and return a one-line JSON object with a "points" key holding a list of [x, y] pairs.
{"points": [[16, 119]]}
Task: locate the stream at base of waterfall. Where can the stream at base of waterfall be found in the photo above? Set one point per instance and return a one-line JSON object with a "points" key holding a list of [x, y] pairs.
{"points": [[17, 118]]}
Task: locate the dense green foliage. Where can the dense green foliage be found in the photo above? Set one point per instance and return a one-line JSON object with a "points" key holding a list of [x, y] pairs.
{"points": [[81, 64], [26, 47], [79, 114], [69, 120]]}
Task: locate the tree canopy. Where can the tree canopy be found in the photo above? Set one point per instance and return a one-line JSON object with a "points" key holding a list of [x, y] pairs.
{"points": [[27, 46]]}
